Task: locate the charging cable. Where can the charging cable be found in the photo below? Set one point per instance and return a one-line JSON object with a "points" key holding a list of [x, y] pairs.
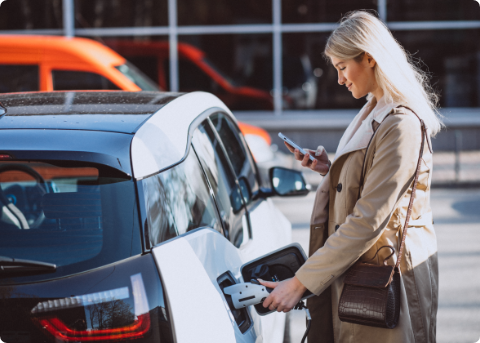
{"points": [[301, 306]]}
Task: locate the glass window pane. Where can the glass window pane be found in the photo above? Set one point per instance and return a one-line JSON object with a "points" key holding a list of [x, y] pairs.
{"points": [[227, 194], [452, 57], [236, 150], [124, 13], [221, 12], [314, 11], [67, 80], [236, 68], [178, 201], [18, 78], [77, 216], [150, 54], [31, 14], [426, 10], [309, 81]]}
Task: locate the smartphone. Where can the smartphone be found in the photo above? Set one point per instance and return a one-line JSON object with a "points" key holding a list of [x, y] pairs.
{"points": [[295, 145]]}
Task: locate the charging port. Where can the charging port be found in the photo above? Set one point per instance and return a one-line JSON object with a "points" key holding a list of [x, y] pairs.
{"points": [[241, 316]]}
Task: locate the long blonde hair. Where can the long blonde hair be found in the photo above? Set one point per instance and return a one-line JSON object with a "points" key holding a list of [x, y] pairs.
{"points": [[401, 80]]}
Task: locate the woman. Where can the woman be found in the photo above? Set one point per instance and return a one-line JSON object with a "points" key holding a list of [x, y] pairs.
{"points": [[347, 226]]}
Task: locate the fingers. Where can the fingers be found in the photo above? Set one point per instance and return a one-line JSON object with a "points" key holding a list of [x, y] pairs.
{"points": [[289, 147], [298, 155], [320, 151], [268, 284], [306, 160]]}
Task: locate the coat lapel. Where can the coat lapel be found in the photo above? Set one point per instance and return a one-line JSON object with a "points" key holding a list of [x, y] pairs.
{"points": [[363, 125]]}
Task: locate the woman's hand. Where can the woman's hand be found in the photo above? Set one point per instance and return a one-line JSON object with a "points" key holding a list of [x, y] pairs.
{"points": [[285, 296], [320, 164]]}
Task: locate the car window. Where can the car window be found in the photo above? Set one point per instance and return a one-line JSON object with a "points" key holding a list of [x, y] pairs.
{"points": [[137, 77], [68, 80], [237, 151], [77, 217], [222, 180], [178, 200], [18, 78]]}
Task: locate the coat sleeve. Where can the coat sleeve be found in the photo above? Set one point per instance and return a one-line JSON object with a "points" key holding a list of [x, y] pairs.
{"points": [[397, 146]]}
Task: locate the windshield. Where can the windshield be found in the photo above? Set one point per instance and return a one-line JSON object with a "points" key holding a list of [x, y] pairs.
{"points": [[137, 77], [77, 217]]}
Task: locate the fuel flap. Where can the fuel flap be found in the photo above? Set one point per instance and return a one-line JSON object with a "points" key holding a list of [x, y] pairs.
{"points": [[278, 265]]}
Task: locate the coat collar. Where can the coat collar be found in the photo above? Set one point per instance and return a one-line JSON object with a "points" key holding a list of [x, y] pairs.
{"points": [[360, 131]]}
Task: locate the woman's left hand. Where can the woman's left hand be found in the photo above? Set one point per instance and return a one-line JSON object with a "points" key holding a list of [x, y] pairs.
{"points": [[285, 296]]}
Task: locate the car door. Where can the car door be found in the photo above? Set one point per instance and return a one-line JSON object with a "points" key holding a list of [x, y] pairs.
{"points": [[189, 219], [269, 228], [195, 262]]}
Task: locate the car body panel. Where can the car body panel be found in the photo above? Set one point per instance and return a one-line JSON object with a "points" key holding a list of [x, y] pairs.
{"points": [[163, 139], [198, 310], [61, 53]]}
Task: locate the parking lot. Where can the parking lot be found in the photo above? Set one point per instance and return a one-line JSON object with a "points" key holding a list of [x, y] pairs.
{"points": [[457, 223]]}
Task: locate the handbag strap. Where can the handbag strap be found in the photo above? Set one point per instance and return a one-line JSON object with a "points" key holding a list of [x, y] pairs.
{"points": [[414, 186]]}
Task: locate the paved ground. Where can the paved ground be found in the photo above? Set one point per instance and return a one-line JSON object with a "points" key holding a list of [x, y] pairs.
{"points": [[457, 223]]}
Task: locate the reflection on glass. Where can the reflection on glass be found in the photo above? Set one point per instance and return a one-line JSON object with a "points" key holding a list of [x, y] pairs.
{"points": [[314, 11], [137, 77], [426, 10], [236, 152], [149, 54], [222, 180], [178, 201], [236, 68], [221, 12], [31, 14], [68, 216], [287, 182], [125, 13], [452, 58], [309, 81]]}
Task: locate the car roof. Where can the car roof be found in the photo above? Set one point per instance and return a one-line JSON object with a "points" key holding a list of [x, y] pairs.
{"points": [[24, 48], [97, 111], [151, 130]]}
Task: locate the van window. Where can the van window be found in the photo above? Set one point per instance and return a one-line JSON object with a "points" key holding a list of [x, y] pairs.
{"points": [[76, 216], [178, 200], [18, 78], [68, 80], [137, 77]]}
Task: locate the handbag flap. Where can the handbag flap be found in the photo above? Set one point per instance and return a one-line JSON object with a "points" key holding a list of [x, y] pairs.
{"points": [[369, 275]]}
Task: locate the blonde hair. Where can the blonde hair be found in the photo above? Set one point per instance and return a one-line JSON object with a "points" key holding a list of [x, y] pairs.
{"points": [[401, 80]]}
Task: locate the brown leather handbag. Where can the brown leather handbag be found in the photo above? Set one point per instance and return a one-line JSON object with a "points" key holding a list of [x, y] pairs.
{"points": [[371, 294]]}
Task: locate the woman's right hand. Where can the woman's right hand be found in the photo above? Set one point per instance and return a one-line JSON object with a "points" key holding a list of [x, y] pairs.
{"points": [[320, 163]]}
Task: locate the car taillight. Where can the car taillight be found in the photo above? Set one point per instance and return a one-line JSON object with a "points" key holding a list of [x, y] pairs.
{"points": [[109, 304]]}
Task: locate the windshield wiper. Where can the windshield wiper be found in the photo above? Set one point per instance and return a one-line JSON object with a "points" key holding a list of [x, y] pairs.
{"points": [[16, 265]]}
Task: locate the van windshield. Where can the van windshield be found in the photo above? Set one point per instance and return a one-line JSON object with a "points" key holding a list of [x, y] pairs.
{"points": [[137, 77], [78, 217]]}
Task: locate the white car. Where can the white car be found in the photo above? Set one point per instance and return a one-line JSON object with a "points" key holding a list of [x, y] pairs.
{"points": [[125, 215]]}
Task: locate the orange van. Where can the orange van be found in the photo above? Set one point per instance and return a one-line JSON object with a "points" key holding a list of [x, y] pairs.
{"points": [[46, 63]]}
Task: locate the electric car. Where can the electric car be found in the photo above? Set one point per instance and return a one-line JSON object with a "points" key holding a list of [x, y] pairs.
{"points": [[124, 215]]}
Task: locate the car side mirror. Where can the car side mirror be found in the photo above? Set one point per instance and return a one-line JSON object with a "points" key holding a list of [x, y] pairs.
{"points": [[288, 182]]}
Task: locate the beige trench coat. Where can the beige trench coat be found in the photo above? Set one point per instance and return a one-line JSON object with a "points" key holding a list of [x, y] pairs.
{"points": [[345, 228]]}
